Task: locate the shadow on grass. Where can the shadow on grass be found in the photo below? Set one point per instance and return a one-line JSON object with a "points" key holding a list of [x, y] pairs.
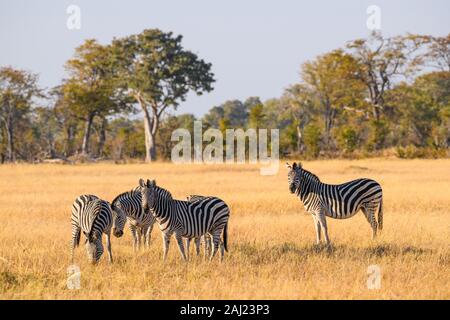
{"points": [[260, 254]]}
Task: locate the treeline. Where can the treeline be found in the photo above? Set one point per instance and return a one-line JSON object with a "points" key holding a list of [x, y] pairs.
{"points": [[374, 96]]}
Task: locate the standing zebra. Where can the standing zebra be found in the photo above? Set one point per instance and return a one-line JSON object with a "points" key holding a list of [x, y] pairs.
{"points": [[140, 223], [340, 201], [206, 238], [186, 219], [94, 217]]}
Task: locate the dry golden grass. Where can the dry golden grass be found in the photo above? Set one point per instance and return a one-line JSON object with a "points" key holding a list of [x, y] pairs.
{"points": [[271, 238]]}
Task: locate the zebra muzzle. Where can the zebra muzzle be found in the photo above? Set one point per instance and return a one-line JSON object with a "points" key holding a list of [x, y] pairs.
{"points": [[118, 233]]}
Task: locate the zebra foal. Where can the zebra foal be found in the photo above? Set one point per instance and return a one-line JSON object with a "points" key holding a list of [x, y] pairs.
{"points": [[93, 217], [186, 219], [339, 201]]}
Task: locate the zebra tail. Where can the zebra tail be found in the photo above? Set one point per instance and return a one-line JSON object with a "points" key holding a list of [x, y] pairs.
{"points": [[225, 237], [380, 215]]}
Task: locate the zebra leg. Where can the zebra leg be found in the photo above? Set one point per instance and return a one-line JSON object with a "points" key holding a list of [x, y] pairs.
{"points": [[369, 213], [108, 246], [147, 235], [207, 243], [216, 242], [188, 245], [134, 234], [166, 243], [197, 245], [76, 234], [222, 250], [318, 231], [206, 246], [323, 224], [181, 246], [140, 233]]}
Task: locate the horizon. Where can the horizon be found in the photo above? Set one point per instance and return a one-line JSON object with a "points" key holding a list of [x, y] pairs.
{"points": [[256, 48]]}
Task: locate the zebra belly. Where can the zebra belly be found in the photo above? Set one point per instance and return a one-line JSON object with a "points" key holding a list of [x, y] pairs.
{"points": [[139, 221], [334, 215], [337, 213]]}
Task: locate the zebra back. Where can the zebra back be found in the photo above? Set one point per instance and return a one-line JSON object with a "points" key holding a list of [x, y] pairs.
{"points": [[131, 203], [91, 214], [195, 197]]}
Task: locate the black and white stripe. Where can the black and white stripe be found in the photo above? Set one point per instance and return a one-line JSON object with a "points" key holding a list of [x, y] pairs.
{"points": [[93, 217], [197, 240], [186, 219], [340, 201], [140, 223]]}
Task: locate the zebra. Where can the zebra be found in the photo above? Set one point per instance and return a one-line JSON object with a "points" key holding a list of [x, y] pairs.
{"points": [[206, 238], [186, 219], [340, 201], [94, 217], [140, 224]]}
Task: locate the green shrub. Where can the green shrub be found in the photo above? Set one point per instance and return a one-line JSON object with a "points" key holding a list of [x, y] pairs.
{"points": [[379, 130], [347, 139], [411, 152]]}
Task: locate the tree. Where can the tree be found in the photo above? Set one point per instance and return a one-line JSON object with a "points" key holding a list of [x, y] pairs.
{"points": [[331, 84], [422, 109], [380, 62], [251, 102], [348, 139], [168, 125], [90, 91], [436, 51], [213, 117], [126, 139], [68, 124], [256, 118], [18, 88], [157, 72], [45, 128], [312, 140], [302, 110]]}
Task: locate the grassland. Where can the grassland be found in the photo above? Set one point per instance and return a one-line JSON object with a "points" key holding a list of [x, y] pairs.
{"points": [[272, 252]]}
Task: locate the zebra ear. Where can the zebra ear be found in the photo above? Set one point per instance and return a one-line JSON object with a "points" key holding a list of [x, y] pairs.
{"points": [[151, 183], [294, 166], [142, 183]]}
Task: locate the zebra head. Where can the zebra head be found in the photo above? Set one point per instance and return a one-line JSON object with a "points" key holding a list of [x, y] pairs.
{"points": [[94, 246], [119, 219], [294, 176], [148, 194]]}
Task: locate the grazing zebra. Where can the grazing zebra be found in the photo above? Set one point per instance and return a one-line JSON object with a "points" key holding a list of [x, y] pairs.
{"points": [[94, 217], [140, 223], [186, 219], [340, 201]]}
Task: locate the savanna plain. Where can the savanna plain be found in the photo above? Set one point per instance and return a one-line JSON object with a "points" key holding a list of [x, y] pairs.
{"points": [[272, 251]]}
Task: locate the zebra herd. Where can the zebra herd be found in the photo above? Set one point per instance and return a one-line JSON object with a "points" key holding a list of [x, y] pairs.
{"points": [[199, 217], [206, 217]]}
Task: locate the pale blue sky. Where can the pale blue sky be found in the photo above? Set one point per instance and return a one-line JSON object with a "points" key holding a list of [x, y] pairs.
{"points": [[256, 47]]}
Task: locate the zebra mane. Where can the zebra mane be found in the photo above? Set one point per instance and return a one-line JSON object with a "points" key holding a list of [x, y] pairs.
{"points": [[131, 192], [165, 193], [311, 175], [98, 208]]}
